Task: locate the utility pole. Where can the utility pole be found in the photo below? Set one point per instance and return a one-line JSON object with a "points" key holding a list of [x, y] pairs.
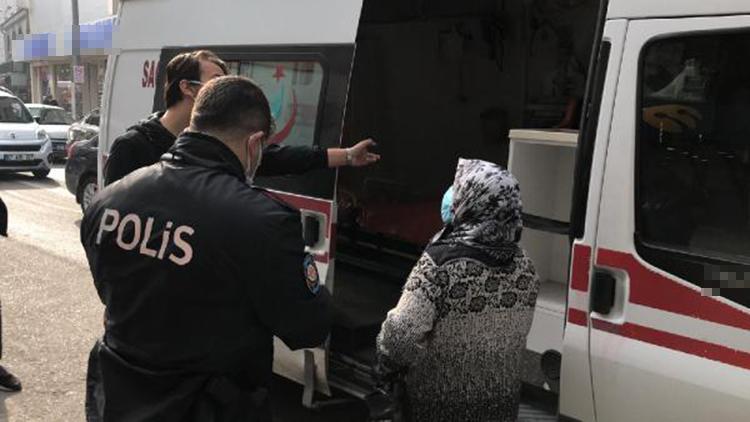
{"points": [[76, 32]]}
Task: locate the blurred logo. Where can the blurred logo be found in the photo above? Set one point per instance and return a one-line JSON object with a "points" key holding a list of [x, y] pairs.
{"points": [[312, 278]]}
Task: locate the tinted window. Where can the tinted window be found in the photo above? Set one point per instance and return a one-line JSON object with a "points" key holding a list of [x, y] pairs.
{"points": [[13, 111], [694, 147], [293, 89]]}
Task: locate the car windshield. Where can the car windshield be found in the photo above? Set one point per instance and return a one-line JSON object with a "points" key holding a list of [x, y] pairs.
{"points": [[52, 116], [35, 111], [13, 111]]}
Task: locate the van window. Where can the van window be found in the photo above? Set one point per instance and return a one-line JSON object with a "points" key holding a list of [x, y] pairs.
{"points": [[306, 86], [293, 89], [693, 169]]}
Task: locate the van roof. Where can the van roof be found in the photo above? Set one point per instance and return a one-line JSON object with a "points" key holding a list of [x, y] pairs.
{"points": [[146, 24], [639, 9]]}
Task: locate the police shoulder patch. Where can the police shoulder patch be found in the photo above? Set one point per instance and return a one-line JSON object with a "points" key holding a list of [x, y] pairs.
{"points": [[312, 278]]}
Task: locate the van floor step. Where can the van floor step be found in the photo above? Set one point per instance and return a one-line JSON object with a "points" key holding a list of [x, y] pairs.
{"points": [[529, 413]]}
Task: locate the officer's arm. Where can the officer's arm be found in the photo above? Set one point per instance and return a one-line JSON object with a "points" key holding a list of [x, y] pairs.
{"points": [[88, 232], [289, 301], [280, 160]]}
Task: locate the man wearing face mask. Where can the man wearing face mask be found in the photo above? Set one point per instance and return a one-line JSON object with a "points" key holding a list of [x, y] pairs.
{"points": [[144, 143], [198, 271]]}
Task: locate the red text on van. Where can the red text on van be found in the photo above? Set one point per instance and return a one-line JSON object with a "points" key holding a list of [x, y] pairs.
{"points": [[149, 74]]}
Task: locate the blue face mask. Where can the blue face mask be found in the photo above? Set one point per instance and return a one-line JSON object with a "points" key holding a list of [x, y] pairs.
{"points": [[446, 208]]}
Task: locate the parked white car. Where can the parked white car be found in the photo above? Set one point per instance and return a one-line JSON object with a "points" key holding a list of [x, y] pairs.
{"points": [[24, 145], [85, 128], [56, 122]]}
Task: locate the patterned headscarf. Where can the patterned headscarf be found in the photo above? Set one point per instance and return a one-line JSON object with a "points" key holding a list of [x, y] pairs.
{"points": [[486, 210]]}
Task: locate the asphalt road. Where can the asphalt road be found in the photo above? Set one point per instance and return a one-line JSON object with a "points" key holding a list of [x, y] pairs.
{"points": [[51, 313]]}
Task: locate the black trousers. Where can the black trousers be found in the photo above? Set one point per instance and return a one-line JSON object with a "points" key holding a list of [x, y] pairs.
{"points": [[94, 390], [166, 396], [3, 218]]}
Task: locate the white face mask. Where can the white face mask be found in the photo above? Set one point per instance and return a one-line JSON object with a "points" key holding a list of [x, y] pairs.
{"points": [[252, 169]]}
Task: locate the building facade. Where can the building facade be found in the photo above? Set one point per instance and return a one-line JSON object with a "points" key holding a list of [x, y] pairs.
{"points": [[36, 51]]}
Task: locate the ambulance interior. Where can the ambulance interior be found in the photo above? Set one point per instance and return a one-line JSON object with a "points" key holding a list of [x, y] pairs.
{"points": [[432, 82]]}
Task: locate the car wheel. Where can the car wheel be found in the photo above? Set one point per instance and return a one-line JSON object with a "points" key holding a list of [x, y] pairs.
{"points": [[41, 174], [87, 189]]}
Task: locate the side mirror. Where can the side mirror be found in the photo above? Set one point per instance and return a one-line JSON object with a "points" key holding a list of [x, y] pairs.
{"points": [[38, 119]]}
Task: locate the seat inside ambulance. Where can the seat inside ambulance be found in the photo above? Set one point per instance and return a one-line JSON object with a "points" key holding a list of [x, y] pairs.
{"points": [[432, 82]]}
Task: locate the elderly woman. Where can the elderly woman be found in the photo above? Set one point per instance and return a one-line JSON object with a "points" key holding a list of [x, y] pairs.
{"points": [[460, 327]]}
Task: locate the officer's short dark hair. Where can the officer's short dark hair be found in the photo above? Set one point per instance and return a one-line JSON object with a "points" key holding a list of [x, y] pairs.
{"points": [[186, 66], [232, 104]]}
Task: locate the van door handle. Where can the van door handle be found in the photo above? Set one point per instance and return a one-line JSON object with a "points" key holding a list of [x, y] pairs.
{"points": [[603, 292], [312, 230]]}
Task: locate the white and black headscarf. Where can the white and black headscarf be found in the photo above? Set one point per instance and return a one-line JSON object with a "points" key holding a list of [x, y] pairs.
{"points": [[486, 210]]}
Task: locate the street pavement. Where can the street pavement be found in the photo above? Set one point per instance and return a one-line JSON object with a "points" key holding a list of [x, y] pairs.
{"points": [[51, 313]]}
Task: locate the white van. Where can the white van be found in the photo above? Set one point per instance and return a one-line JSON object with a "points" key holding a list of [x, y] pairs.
{"points": [[639, 225], [24, 144]]}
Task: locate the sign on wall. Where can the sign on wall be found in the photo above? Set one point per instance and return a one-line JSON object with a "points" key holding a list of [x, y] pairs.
{"points": [[78, 74]]}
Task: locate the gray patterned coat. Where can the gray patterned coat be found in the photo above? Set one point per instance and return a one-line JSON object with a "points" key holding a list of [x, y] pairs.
{"points": [[461, 323]]}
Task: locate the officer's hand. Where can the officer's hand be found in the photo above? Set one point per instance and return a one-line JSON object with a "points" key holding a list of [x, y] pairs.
{"points": [[360, 154]]}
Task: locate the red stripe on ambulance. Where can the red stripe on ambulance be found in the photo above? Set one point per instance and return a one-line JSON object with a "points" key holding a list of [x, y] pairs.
{"points": [[581, 265], [651, 289], [676, 342], [577, 317]]}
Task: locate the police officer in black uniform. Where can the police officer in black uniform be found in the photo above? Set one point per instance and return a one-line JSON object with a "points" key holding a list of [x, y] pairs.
{"points": [[198, 271]]}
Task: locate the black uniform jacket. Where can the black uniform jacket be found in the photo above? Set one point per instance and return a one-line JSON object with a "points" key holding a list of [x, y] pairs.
{"points": [[197, 271], [145, 143]]}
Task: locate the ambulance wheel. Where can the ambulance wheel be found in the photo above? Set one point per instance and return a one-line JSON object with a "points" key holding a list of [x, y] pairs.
{"points": [[86, 191], [40, 174]]}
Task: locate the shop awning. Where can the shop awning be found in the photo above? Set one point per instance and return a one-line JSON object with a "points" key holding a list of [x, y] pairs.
{"points": [[96, 36], [95, 39]]}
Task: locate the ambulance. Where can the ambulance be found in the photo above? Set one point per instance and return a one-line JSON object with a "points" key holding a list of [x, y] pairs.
{"points": [[627, 123]]}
